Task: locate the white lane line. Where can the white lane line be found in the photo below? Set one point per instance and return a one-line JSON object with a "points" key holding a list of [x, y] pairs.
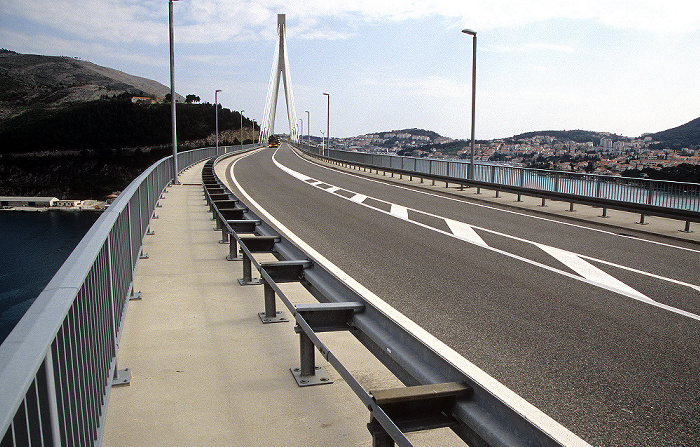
{"points": [[316, 183], [399, 211], [593, 273], [358, 198], [513, 400], [595, 280], [465, 231], [332, 189], [517, 213]]}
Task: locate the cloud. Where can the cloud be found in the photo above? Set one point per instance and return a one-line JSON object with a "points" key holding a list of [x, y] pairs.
{"points": [[211, 21]]}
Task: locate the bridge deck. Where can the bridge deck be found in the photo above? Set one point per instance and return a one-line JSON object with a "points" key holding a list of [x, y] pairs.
{"points": [[205, 371]]}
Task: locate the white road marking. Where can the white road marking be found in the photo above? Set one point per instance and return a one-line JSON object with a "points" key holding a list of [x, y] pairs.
{"points": [[593, 273], [399, 211], [465, 231], [599, 278], [358, 198], [517, 213], [332, 189], [515, 401]]}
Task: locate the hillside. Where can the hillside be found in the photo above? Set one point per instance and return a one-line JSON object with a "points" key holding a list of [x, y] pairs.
{"points": [[29, 81], [579, 136], [684, 136]]}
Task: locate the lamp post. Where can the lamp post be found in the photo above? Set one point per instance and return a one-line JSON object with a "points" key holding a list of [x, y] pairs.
{"points": [[242, 129], [470, 174], [328, 123], [308, 129], [301, 132], [216, 106], [323, 140], [172, 91]]}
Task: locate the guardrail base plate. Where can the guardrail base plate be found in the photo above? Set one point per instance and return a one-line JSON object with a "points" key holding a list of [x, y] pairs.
{"points": [[252, 282], [280, 318], [320, 377]]}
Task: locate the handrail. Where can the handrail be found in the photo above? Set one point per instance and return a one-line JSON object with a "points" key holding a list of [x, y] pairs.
{"points": [[493, 415], [57, 364], [675, 200]]}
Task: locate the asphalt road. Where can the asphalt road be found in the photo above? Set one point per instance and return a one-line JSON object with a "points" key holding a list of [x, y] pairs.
{"points": [[598, 330]]}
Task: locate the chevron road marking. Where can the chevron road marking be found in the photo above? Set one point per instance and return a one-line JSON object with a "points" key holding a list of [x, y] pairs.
{"points": [[585, 271]]}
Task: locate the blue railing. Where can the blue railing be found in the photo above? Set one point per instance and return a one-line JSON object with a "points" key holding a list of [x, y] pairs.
{"points": [[58, 364]]}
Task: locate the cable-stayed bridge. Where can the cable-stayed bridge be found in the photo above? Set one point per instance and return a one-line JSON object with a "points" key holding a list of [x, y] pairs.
{"points": [[432, 301]]}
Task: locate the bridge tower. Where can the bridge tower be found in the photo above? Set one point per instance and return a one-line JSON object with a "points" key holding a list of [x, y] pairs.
{"points": [[280, 66]]}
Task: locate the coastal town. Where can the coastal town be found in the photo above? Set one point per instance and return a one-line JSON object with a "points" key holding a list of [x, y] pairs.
{"points": [[606, 154]]}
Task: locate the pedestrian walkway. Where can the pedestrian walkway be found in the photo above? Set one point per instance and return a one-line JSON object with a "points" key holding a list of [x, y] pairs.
{"points": [[206, 371]]}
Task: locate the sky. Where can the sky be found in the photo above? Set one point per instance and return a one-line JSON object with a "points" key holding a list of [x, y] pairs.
{"points": [[623, 66]]}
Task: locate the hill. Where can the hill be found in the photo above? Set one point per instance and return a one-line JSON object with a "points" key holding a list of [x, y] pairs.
{"points": [[684, 136], [579, 136], [30, 81]]}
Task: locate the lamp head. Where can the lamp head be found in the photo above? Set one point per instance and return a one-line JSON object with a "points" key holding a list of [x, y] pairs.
{"points": [[470, 32]]}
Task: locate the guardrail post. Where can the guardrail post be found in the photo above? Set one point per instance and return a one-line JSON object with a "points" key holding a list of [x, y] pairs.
{"points": [[224, 236], [605, 212], [247, 279], [233, 250], [687, 226], [271, 314]]}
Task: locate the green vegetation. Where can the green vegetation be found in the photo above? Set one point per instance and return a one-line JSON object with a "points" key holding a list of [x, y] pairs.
{"points": [[685, 136], [112, 123], [685, 172], [87, 150]]}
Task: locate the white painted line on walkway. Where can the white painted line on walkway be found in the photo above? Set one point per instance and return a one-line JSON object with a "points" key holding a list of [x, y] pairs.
{"points": [[332, 189]]}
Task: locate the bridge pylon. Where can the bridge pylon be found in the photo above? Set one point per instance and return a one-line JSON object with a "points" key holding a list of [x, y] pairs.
{"points": [[280, 68]]}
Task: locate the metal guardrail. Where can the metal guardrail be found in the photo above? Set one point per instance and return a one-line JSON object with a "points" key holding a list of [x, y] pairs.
{"points": [[58, 364], [442, 390], [675, 200]]}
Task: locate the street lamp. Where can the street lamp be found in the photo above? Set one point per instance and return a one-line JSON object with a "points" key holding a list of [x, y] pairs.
{"points": [[470, 174], [308, 129], [301, 132], [216, 106], [328, 123], [322, 142], [242, 129], [172, 91]]}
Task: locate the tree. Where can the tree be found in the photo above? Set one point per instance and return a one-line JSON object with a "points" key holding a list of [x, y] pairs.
{"points": [[189, 99]]}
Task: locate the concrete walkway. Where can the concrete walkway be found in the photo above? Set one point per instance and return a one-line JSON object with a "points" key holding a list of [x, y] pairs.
{"points": [[205, 371]]}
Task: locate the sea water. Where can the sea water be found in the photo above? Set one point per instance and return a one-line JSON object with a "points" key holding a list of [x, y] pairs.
{"points": [[33, 246]]}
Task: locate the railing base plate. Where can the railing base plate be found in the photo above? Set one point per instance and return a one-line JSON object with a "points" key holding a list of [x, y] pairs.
{"points": [[279, 318], [122, 378], [320, 377], [252, 282]]}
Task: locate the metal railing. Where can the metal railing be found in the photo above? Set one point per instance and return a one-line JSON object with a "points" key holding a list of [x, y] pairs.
{"points": [[477, 408], [676, 200], [58, 364]]}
